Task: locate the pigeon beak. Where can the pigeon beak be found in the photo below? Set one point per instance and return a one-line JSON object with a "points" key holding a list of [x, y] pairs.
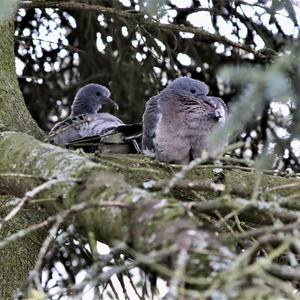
{"points": [[112, 103]]}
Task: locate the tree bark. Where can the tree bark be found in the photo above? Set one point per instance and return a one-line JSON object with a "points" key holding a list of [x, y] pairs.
{"points": [[143, 220], [18, 259], [13, 112]]}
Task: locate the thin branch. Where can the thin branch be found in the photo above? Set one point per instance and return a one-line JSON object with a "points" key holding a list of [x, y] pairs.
{"points": [[282, 187], [24, 39], [265, 230], [29, 195], [21, 175], [35, 274], [178, 279], [193, 164], [206, 185], [18, 183], [140, 19], [182, 173], [52, 219]]}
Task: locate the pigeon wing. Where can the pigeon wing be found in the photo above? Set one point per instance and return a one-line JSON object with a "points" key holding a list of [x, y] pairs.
{"points": [[68, 130], [150, 121], [99, 124], [83, 126]]}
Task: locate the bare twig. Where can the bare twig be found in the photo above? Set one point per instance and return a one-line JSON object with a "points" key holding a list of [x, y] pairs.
{"points": [[265, 230], [30, 195], [139, 18], [35, 274], [284, 186], [206, 185], [52, 219], [20, 175], [181, 174], [23, 39], [178, 278]]}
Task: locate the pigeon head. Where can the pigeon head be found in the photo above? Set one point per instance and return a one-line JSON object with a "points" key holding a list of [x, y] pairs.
{"points": [[90, 98], [189, 87]]}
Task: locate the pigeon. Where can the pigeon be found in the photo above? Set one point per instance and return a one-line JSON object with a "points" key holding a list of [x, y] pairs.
{"points": [[178, 122], [86, 127]]}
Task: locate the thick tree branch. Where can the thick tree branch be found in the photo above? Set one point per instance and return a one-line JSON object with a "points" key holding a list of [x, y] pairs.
{"points": [[105, 199], [115, 179]]}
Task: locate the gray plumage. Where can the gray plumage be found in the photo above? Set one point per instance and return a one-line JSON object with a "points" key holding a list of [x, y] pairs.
{"points": [[85, 121], [177, 123], [90, 98], [82, 126]]}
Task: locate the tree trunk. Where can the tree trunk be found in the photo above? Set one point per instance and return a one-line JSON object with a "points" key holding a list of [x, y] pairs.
{"points": [[19, 258], [13, 112]]}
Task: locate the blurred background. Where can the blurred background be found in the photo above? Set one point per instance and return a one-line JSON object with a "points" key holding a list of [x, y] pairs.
{"points": [[60, 50]]}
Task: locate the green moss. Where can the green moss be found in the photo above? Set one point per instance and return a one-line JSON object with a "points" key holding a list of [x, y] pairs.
{"points": [[146, 224], [19, 257], [13, 112]]}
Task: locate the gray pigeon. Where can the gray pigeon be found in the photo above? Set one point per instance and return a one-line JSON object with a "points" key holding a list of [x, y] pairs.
{"points": [[178, 122], [85, 124]]}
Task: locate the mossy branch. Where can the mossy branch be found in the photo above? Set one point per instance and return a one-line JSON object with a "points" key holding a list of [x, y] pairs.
{"points": [[148, 221]]}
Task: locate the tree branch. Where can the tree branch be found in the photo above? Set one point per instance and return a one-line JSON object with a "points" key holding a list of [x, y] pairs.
{"points": [[139, 19], [106, 200]]}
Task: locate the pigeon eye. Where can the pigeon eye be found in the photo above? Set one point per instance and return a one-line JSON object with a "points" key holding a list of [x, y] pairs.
{"points": [[98, 94], [193, 91]]}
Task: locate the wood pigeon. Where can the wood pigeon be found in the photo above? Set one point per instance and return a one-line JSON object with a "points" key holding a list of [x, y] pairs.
{"points": [[89, 129], [178, 121]]}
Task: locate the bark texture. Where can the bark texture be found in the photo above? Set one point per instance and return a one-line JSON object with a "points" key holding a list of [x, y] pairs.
{"points": [[13, 112], [19, 258], [149, 220]]}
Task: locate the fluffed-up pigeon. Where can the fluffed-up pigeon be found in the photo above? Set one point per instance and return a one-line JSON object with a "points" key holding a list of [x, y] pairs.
{"points": [[178, 122], [92, 130]]}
